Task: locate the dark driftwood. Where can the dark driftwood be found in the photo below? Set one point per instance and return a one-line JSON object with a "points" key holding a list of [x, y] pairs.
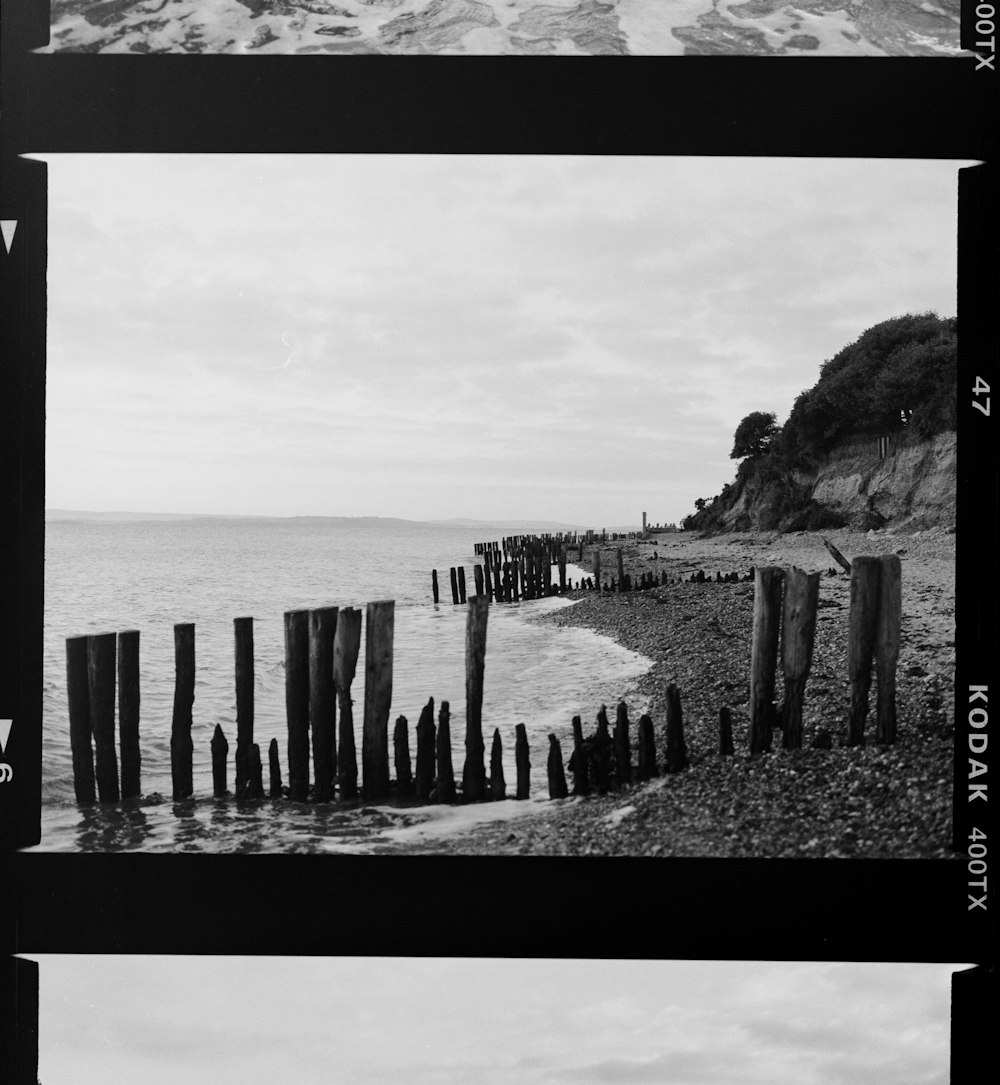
{"points": [[323, 701], [297, 702], [725, 733], [474, 771], [128, 713], [862, 630], [556, 772], [764, 655], [346, 644], [379, 629], [647, 749], [579, 762], [798, 628], [676, 757], [837, 556], [498, 785], [401, 756], [445, 770], [243, 630], [522, 760], [181, 747], [623, 749], [890, 613], [273, 770], [220, 753], [101, 683], [78, 695]]}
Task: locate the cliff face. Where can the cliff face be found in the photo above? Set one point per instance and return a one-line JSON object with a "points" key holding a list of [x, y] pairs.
{"points": [[860, 484]]}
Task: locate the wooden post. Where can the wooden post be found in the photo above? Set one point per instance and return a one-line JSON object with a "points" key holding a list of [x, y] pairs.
{"points": [[600, 754], [557, 774], [461, 583], [78, 696], [621, 571], [379, 626], [623, 749], [445, 771], [474, 772], [488, 577], [401, 748], [676, 757], [522, 760], [273, 770], [346, 644], [243, 629], [562, 569], [323, 700], [890, 613], [297, 702], [454, 586], [477, 572], [255, 773], [764, 655], [725, 733], [220, 751], [647, 748], [798, 628], [861, 636], [426, 752], [579, 763], [101, 684], [498, 785], [181, 747], [597, 569], [128, 713], [434, 584]]}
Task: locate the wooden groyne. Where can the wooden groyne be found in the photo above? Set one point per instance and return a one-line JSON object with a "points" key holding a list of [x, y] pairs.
{"points": [[321, 654]]}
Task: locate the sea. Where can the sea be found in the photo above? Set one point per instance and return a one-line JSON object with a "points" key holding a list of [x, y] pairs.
{"points": [[111, 575]]}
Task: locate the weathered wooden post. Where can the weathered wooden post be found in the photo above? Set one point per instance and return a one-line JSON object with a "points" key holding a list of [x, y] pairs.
{"points": [[273, 770], [346, 644], [764, 655], [220, 752], [621, 571], [488, 577], [425, 752], [597, 569], [647, 748], [725, 733], [623, 749], [861, 636], [798, 628], [401, 752], [323, 700], [676, 757], [297, 702], [601, 754], [556, 772], [255, 773], [461, 584], [522, 760], [181, 746], [498, 785], [78, 696], [243, 630], [128, 713], [562, 569], [445, 770], [454, 586], [474, 772], [579, 763], [101, 684], [434, 584], [890, 614], [379, 627], [477, 573]]}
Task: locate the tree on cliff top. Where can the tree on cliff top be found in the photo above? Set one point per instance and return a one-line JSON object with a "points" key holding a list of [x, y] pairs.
{"points": [[754, 434]]}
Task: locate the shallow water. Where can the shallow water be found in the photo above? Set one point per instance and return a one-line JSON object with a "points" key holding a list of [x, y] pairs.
{"points": [[511, 27], [103, 577]]}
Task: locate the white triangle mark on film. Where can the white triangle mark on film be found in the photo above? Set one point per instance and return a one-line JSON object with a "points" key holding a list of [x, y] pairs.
{"points": [[4, 734], [8, 226]]}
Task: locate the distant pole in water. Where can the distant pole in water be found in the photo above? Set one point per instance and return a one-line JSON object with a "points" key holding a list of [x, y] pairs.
{"points": [[498, 785], [890, 613], [522, 760], [181, 747], [434, 585], [379, 625], [798, 628], [474, 772], [346, 645], [323, 700], [128, 712], [78, 695], [220, 751], [445, 770], [243, 630], [101, 684], [425, 752], [764, 655], [297, 702]]}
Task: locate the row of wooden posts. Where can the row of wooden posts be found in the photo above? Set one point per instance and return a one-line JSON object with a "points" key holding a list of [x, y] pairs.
{"points": [[511, 545]]}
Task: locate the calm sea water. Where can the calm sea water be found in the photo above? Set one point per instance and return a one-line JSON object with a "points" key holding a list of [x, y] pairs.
{"points": [[110, 576]]}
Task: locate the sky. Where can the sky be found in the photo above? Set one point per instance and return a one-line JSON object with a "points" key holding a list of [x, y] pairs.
{"points": [[567, 339], [439, 1021]]}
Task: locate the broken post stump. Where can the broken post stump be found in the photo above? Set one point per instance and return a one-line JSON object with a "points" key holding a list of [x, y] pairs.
{"points": [[454, 586], [474, 771], [78, 696], [434, 585], [297, 702], [498, 785], [101, 656], [128, 713], [379, 628], [556, 772], [676, 757], [346, 645], [647, 748], [522, 761], [273, 770], [862, 631], [579, 762], [401, 750], [477, 573], [623, 749], [255, 773], [602, 755], [425, 752], [798, 628], [181, 747], [887, 636], [220, 752], [461, 583], [764, 655], [323, 701], [445, 769]]}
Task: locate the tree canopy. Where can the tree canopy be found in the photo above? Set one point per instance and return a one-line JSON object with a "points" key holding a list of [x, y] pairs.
{"points": [[754, 434]]}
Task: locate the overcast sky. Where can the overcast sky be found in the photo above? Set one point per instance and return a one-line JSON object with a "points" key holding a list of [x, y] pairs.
{"points": [[322, 1021], [572, 339]]}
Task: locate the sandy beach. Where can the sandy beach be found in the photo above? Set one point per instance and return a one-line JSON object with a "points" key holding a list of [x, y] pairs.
{"points": [[892, 802]]}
